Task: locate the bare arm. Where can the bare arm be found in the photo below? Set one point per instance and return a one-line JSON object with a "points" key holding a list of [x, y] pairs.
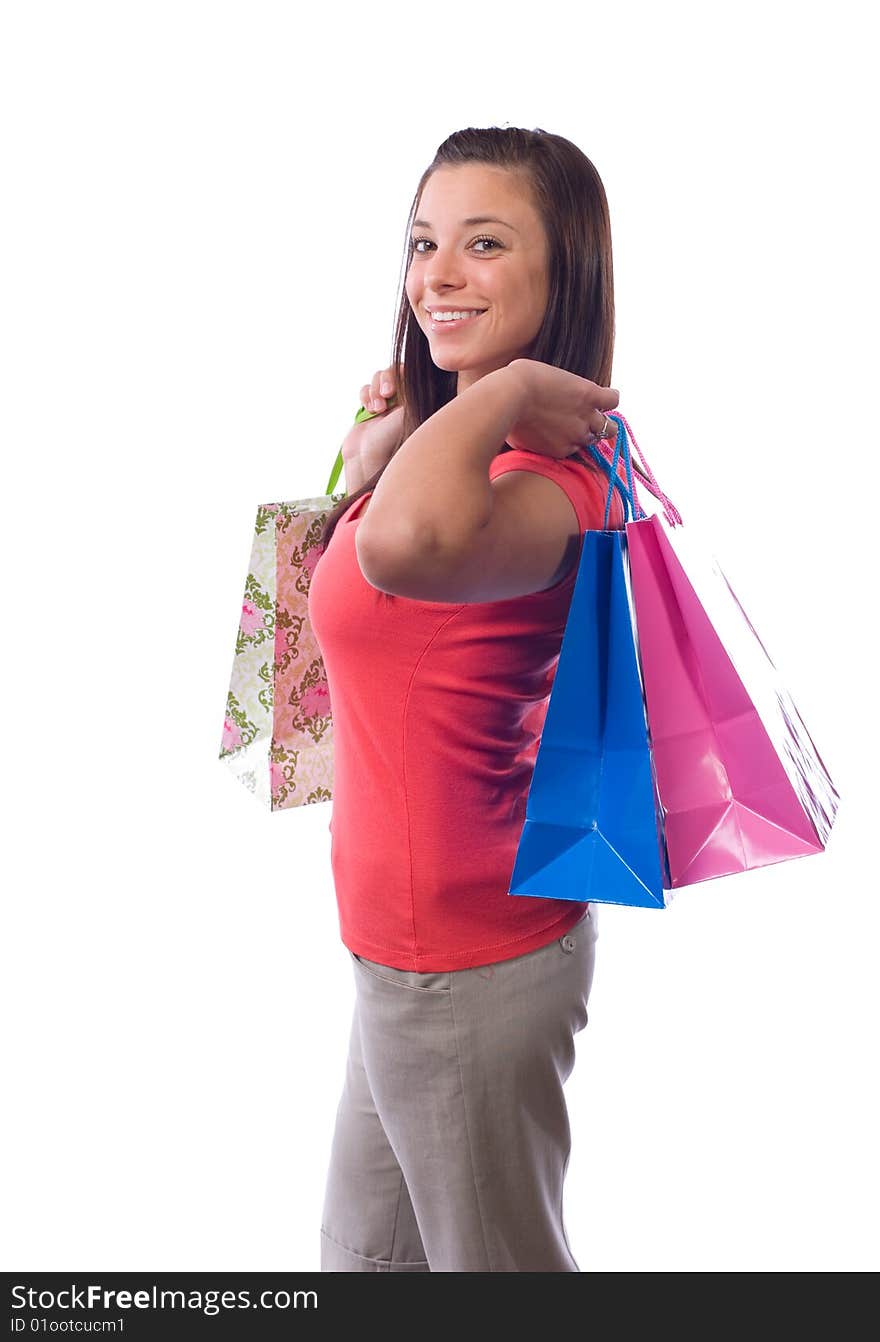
{"points": [[356, 474], [359, 463], [438, 529], [435, 494]]}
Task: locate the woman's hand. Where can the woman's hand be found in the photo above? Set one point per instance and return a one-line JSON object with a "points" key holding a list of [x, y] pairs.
{"points": [[373, 442], [560, 411]]}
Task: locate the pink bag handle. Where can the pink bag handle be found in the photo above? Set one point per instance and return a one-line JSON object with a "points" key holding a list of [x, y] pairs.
{"points": [[611, 455]]}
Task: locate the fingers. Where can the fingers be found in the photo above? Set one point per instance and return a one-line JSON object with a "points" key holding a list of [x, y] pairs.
{"points": [[376, 394], [600, 425]]}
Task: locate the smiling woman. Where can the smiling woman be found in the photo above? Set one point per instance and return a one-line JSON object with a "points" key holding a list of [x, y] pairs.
{"points": [[535, 255], [503, 276], [440, 613]]}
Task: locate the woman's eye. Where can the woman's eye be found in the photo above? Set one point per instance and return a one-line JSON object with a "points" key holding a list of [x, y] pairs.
{"points": [[415, 241]]}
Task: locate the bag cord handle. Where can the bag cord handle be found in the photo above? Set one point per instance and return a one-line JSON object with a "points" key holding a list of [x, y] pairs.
{"points": [[607, 459]]}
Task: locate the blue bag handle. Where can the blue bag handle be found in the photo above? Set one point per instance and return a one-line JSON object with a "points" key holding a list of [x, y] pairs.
{"points": [[631, 507], [631, 510]]}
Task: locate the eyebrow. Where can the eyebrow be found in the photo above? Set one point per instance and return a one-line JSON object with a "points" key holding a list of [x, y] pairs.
{"points": [[468, 223]]}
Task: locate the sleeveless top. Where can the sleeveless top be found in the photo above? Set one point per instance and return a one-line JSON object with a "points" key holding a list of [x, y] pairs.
{"points": [[437, 710]]}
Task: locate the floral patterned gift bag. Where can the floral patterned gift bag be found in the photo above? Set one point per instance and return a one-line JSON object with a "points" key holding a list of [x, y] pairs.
{"points": [[277, 729], [277, 737]]}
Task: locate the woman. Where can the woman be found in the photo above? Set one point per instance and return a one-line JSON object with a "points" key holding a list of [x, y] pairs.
{"points": [[439, 603]]}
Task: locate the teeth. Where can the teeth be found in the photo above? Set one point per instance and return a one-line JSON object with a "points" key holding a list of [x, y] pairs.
{"points": [[454, 316]]}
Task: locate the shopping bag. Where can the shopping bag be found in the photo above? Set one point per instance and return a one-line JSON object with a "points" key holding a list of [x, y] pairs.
{"points": [[277, 730], [277, 727], [740, 781], [591, 828], [729, 790], [771, 698]]}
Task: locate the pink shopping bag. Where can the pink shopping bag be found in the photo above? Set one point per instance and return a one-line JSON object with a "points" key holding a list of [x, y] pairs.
{"points": [[739, 781]]}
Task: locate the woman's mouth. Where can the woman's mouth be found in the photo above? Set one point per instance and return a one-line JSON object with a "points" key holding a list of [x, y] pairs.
{"points": [[452, 322]]}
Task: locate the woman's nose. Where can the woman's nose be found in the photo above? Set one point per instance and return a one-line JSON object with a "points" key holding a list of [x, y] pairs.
{"points": [[443, 270]]}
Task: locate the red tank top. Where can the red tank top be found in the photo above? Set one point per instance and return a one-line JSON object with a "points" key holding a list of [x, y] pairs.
{"points": [[437, 712]]}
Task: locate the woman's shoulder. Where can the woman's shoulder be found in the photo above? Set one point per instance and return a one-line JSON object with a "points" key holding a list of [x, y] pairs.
{"points": [[597, 484], [585, 483]]}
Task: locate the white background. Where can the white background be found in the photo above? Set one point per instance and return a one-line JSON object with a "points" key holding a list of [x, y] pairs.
{"points": [[203, 231]]}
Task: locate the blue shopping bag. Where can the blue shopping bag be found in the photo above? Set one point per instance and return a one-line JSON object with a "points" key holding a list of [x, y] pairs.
{"points": [[593, 828]]}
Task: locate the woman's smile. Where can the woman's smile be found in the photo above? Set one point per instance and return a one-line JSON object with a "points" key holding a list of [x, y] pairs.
{"points": [[447, 323]]}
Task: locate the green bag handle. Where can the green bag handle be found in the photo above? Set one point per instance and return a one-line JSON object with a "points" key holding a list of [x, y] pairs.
{"points": [[362, 414]]}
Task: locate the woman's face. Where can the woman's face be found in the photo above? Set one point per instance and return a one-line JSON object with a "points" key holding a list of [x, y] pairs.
{"points": [[500, 267]]}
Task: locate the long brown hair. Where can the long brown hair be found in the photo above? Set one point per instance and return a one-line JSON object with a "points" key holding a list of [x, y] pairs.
{"points": [[578, 328]]}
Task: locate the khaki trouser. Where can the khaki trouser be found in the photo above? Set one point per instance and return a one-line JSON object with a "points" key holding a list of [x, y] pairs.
{"points": [[452, 1136]]}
